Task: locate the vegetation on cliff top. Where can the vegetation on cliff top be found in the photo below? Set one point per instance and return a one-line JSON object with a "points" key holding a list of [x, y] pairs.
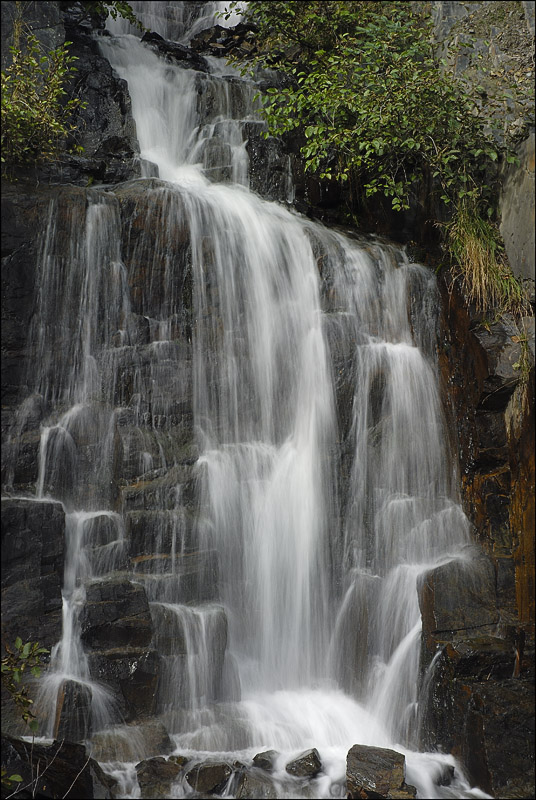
{"points": [[37, 114], [363, 88]]}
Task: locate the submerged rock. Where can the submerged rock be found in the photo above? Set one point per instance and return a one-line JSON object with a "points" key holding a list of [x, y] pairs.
{"points": [[373, 772], [209, 777], [266, 759]]}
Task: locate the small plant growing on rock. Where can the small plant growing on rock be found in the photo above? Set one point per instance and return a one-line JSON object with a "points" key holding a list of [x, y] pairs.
{"points": [[36, 117], [21, 658]]}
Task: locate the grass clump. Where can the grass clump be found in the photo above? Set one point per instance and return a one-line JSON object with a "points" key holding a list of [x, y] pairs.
{"points": [[477, 253]]}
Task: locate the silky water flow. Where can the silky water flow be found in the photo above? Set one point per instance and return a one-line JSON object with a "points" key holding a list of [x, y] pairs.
{"points": [[323, 484]]}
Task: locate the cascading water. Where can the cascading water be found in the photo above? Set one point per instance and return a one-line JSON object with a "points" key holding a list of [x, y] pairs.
{"points": [[314, 521]]}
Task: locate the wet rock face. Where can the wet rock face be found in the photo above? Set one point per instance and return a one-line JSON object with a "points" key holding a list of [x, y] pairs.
{"points": [[116, 613], [488, 377], [132, 742], [73, 712], [459, 596], [376, 772], [475, 709], [44, 20], [23, 214], [175, 53], [131, 675], [32, 565]]}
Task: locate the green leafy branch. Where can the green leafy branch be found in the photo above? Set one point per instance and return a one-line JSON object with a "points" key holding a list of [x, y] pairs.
{"points": [[36, 116], [362, 90], [19, 660], [114, 10]]}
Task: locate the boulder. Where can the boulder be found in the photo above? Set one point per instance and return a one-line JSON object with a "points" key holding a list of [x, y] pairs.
{"points": [[266, 759], [253, 786], [116, 613], [211, 777], [64, 770], [155, 776], [306, 765], [373, 772]]}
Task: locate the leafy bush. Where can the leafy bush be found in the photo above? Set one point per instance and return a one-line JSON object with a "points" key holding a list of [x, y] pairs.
{"points": [[36, 118], [363, 88], [477, 251], [22, 657], [114, 9]]}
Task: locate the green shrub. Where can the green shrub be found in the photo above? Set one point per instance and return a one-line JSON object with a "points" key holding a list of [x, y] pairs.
{"points": [[477, 253], [22, 657], [36, 117], [363, 89]]}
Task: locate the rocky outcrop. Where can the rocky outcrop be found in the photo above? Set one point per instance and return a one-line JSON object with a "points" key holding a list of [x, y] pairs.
{"points": [[495, 439], [73, 712], [238, 40], [105, 147], [62, 769], [32, 565], [174, 52], [479, 706], [479, 671], [517, 210]]}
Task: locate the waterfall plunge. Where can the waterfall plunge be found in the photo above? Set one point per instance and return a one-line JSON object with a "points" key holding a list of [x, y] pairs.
{"points": [[321, 519]]}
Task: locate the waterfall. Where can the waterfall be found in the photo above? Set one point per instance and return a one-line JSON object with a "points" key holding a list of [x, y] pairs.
{"points": [[281, 578]]}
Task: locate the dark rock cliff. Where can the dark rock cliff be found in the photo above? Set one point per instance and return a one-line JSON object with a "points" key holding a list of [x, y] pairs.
{"points": [[479, 697]]}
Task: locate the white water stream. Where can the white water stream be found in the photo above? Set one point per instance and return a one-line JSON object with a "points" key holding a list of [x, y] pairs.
{"points": [[318, 562]]}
